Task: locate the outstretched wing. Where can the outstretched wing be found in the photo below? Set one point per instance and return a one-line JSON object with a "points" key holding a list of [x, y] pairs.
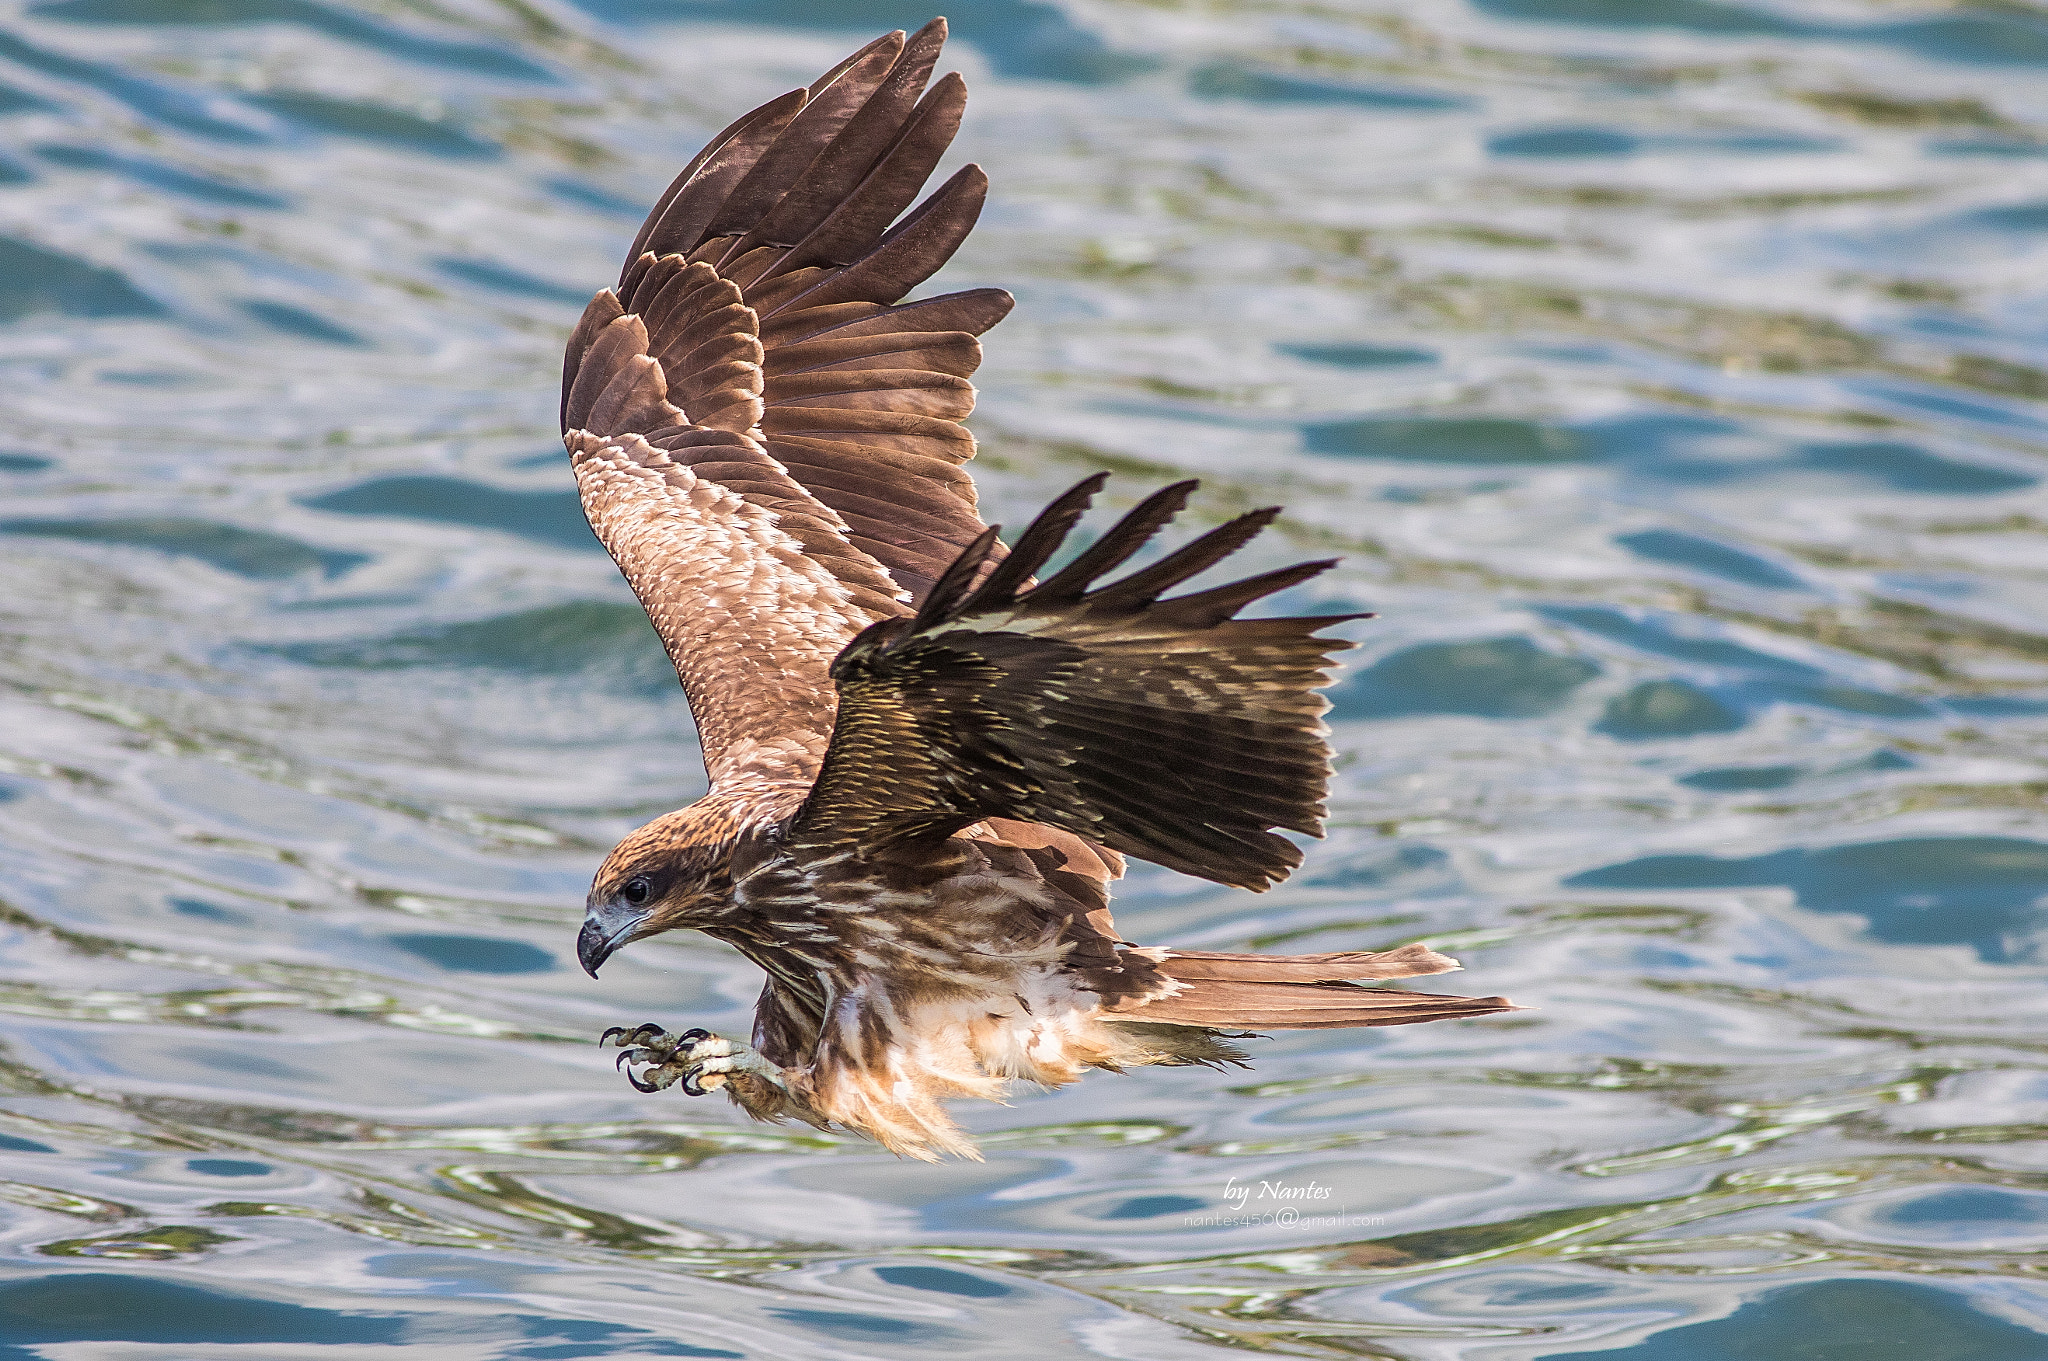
{"points": [[768, 445], [1165, 729]]}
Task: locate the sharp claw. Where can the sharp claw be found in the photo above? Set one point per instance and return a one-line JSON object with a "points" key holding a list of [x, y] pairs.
{"points": [[693, 1083], [645, 1033], [665, 1058]]}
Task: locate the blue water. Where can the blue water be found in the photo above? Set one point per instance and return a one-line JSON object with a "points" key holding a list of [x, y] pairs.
{"points": [[1671, 376]]}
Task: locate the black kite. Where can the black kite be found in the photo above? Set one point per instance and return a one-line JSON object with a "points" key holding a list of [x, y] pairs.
{"points": [[925, 766]]}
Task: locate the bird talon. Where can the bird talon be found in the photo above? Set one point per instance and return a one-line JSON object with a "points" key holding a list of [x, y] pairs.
{"points": [[658, 1043], [697, 1060]]}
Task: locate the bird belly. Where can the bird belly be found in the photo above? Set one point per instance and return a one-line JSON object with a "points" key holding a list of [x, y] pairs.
{"points": [[950, 987], [1043, 1030]]}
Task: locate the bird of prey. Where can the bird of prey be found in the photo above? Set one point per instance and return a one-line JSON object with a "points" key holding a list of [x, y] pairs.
{"points": [[926, 764]]}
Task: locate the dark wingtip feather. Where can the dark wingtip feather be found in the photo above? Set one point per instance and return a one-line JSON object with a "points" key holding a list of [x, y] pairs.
{"points": [[679, 218], [893, 38], [1142, 587], [1126, 537], [1039, 542], [1204, 609], [844, 226], [913, 250], [954, 584]]}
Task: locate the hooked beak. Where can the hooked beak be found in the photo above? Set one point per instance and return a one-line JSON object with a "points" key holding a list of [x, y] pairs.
{"points": [[606, 926]]}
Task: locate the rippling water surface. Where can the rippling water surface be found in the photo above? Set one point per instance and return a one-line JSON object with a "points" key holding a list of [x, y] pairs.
{"points": [[1669, 374]]}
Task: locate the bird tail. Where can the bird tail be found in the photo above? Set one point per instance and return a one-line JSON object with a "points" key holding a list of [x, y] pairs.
{"points": [[1303, 992]]}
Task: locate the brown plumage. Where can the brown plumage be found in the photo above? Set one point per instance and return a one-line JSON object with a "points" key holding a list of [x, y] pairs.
{"points": [[926, 766]]}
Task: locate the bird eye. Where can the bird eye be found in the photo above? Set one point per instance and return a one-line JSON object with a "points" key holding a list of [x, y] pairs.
{"points": [[637, 890]]}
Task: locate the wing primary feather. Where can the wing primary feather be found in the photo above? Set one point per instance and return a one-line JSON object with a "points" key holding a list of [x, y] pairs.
{"points": [[1129, 535], [954, 584], [680, 182], [1039, 542], [857, 220], [784, 165], [863, 138], [972, 310], [912, 251], [1203, 609], [696, 205], [1141, 588], [893, 38]]}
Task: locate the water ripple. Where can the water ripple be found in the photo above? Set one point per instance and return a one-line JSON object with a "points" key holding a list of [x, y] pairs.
{"points": [[1669, 375]]}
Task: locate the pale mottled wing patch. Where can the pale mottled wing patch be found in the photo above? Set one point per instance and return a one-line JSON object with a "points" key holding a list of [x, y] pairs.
{"points": [[749, 580], [749, 615]]}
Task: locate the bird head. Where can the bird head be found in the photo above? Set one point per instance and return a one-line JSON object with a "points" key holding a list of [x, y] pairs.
{"points": [[675, 871]]}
